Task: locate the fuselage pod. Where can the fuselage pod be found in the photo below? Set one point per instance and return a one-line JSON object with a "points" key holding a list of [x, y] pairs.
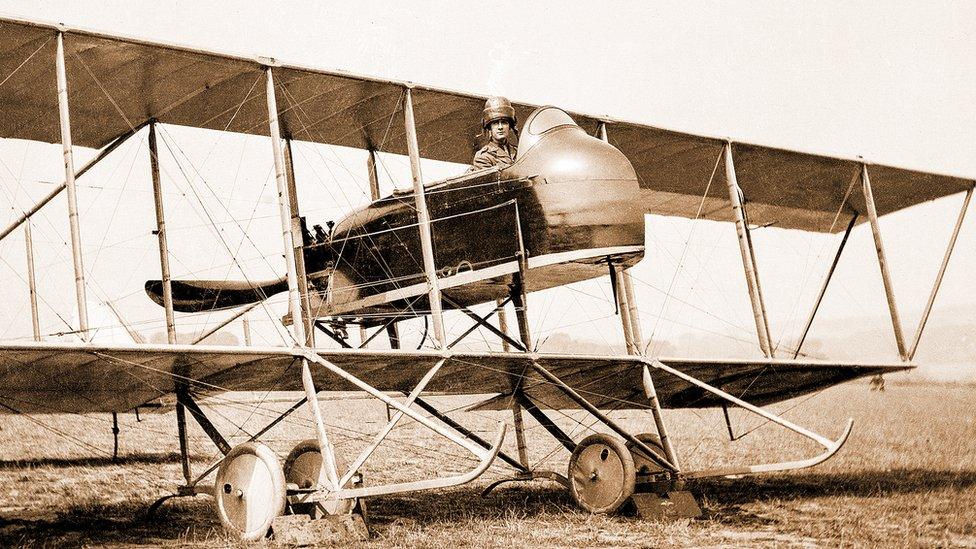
{"points": [[569, 203]]}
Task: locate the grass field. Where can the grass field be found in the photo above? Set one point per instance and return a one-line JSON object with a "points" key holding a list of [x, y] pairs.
{"points": [[907, 477]]}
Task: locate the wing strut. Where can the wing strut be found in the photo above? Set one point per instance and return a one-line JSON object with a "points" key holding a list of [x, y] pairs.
{"points": [[883, 262], [748, 255], [423, 219], [31, 281], [69, 180]]}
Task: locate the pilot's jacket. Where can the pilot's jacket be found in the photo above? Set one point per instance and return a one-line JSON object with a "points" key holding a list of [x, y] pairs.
{"points": [[494, 155]]}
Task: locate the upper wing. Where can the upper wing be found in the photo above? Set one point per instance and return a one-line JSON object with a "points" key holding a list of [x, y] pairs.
{"points": [[783, 188], [78, 378], [116, 83]]}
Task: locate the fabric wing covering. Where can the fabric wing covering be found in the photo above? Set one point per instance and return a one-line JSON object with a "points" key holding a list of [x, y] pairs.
{"points": [[80, 378], [116, 83]]}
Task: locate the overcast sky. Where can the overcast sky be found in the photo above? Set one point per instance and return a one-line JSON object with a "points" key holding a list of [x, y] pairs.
{"points": [[893, 83]]}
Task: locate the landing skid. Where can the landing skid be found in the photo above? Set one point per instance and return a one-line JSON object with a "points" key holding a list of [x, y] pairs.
{"points": [[525, 477], [831, 447], [181, 492]]}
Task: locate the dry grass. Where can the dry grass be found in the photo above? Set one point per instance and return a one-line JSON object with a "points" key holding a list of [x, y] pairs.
{"points": [[907, 477]]}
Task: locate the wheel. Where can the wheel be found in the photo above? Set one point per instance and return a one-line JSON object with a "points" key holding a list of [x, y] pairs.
{"points": [[303, 467], [644, 465], [249, 491], [601, 473]]}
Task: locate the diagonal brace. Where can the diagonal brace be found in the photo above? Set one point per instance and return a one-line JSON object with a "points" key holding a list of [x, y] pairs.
{"points": [[942, 270], [483, 322], [332, 335], [183, 397], [544, 421], [430, 409]]}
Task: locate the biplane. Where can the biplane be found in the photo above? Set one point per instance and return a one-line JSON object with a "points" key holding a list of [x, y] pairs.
{"points": [[571, 208]]}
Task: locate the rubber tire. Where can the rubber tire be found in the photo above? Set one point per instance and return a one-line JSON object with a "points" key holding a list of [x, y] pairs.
{"points": [[303, 480], [254, 470], [596, 458], [643, 465]]}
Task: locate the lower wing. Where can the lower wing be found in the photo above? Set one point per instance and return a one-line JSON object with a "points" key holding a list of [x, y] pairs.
{"points": [[79, 378]]}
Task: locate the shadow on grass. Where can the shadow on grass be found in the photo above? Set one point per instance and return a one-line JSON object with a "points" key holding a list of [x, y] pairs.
{"points": [[99, 461], [810, 485], [177, 523], [534, 499], [188, 521]]}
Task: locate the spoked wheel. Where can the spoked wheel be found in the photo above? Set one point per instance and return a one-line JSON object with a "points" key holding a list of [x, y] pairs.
{"points": [[303, 467], [249, 491], [601, 473]]}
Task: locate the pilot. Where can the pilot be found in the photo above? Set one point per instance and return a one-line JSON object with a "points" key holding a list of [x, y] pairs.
{"points": [[498, 121]]}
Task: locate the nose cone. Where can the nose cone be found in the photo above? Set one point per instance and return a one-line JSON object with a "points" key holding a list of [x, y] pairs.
{"points": [[587, 188], [554, 146]]}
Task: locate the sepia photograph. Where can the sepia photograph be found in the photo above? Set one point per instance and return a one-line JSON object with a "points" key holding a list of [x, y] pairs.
{"points": [[509, 274]]}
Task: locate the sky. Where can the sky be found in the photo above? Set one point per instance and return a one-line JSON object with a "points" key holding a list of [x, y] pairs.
{"points": [[892, 83]]}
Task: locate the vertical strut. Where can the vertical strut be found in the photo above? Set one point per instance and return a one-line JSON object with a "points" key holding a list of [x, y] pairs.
{"points": [[519, 297], [503, 323], [942, 270], [393, 333], [423, 218], [184, 441], [635, 330], [69, 179], [623, 305], [745, 250], [755, 272], [374, 180], [161, 236], [291, 241], [246, 327], [883, 262], [31, 283], [520, 304], [826, 282], [297, 229], [115, 436], [523, 453]]}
